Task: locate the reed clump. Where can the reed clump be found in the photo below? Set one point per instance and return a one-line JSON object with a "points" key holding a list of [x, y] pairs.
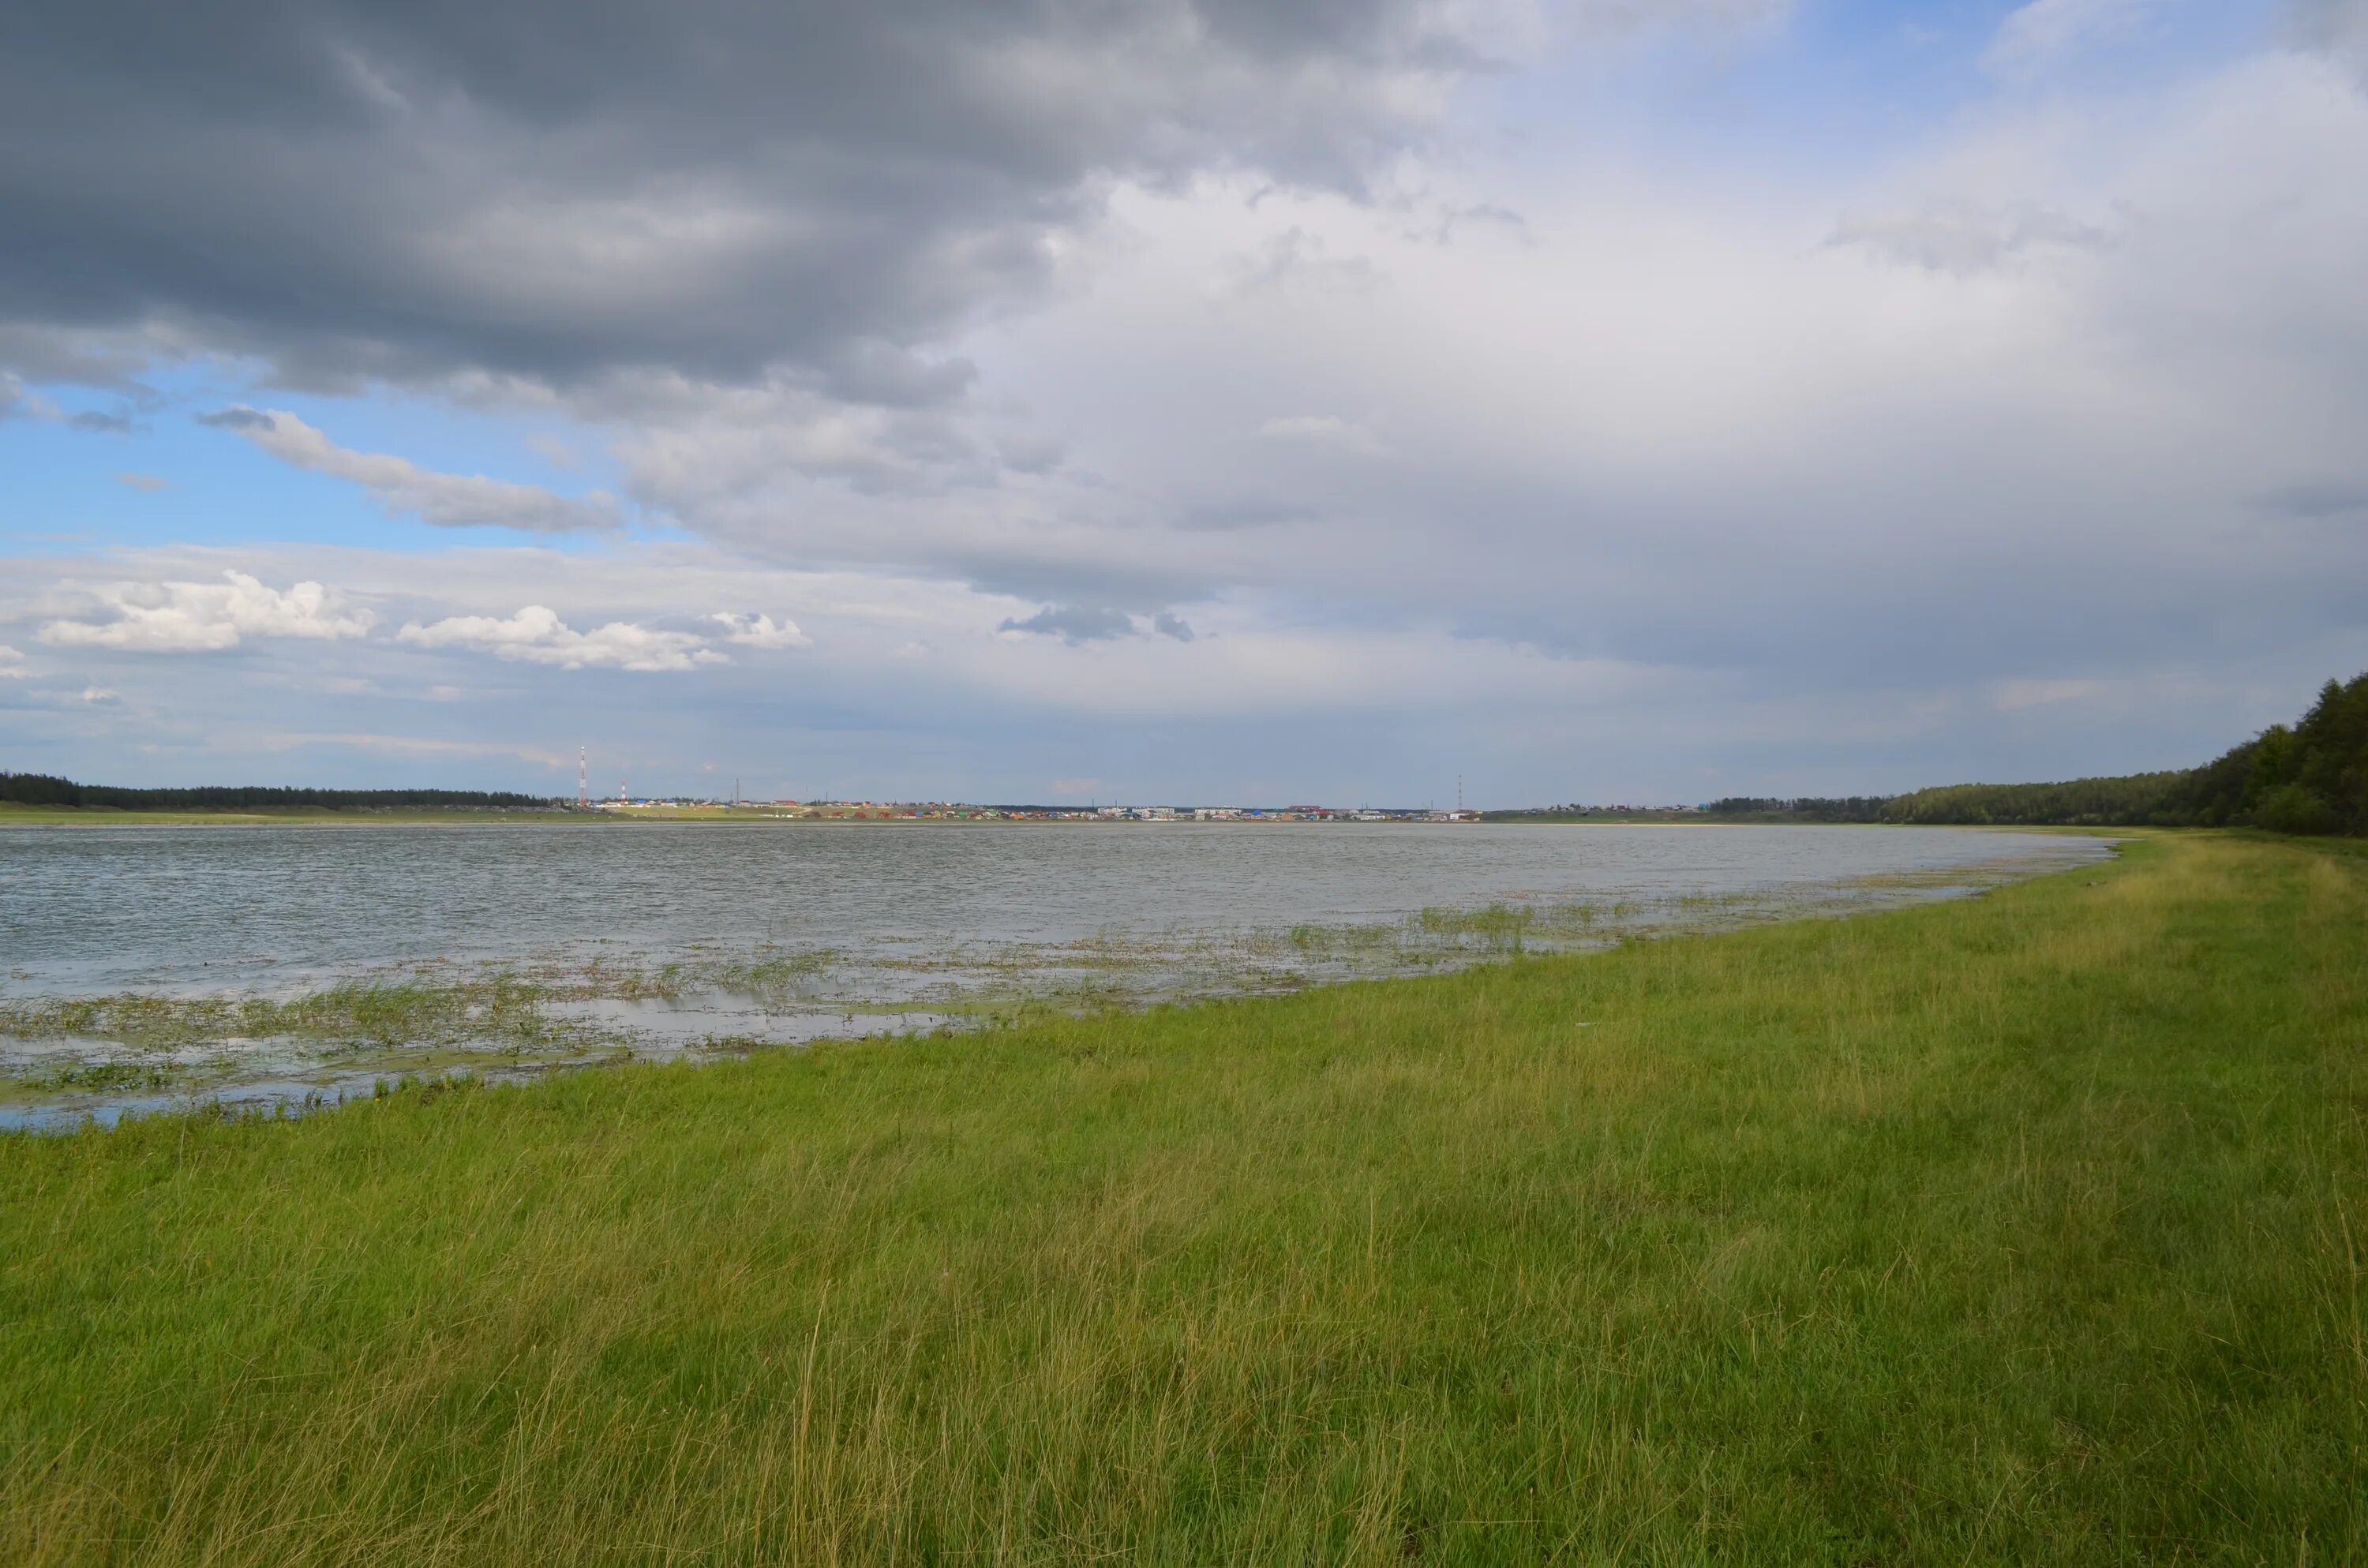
{"points": [[2019, 1229]]}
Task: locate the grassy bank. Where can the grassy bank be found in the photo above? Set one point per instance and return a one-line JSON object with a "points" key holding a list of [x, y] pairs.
{"points": [[2022, 1229]]}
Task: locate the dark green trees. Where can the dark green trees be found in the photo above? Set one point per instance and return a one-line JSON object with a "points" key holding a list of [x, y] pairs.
{"points": [[2310, 777], [40, 789], [2140, 798]]}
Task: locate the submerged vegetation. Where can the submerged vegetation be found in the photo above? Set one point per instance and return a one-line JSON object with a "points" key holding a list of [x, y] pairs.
{"points": [[2019, 1229], [62, 1057]]}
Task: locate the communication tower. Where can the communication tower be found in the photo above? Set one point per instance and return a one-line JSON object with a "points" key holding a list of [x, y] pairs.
{"points": [[583, 782]]}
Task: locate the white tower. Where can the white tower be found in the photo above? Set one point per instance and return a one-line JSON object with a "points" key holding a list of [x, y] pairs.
{"points": [[583, 782]]}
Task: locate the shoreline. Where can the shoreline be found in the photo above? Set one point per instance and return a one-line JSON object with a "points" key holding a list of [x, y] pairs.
{"points": [[139, 1047]]}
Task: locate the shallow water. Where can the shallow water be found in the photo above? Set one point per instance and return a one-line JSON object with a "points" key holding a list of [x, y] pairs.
{"points": [[657, 939]]}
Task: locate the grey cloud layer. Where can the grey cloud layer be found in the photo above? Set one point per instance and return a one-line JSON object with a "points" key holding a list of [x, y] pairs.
{"points": [[707, 189]]}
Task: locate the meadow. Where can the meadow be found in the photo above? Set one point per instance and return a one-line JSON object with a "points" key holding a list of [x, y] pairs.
{"points": [[2023, 1228]]}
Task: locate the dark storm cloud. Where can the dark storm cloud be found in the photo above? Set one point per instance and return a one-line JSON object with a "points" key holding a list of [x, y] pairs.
{"points": [[48, 353], [713, 190]]}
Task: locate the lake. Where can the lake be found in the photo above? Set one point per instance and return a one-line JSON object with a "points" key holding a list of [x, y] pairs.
{"points": [[147, 965]]}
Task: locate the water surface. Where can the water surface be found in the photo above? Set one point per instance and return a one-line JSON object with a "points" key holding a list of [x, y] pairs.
{"points": [[523, 944]]}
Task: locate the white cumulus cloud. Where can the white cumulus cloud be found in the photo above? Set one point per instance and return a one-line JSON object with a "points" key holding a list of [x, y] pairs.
{"points": [[762, 630], [198, 617], [12, 663], [536, 635]]}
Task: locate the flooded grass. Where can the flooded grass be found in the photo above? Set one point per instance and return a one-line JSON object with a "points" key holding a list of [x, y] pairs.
{"points": [[62, 1056]]}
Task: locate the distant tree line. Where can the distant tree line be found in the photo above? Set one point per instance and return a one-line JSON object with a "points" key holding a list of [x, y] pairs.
{"points": [[2307, 777], [41, 790], [1803, 807], [2139, 799], [2310, 777]]}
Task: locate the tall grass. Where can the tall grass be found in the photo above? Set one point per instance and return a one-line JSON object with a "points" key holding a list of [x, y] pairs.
{"points": [[2021, 1229]]}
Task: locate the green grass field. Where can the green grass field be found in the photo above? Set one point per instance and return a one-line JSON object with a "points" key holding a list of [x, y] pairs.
{"points": [[2022, 1229]]}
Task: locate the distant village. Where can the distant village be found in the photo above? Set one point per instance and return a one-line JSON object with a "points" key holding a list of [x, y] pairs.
{"points": [[947, 810], [954, 810]]}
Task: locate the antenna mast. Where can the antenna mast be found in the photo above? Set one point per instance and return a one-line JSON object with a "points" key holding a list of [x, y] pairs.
{"points": [[583, 782]]}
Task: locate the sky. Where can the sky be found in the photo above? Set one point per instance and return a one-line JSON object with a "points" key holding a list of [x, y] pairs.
{"points": [[1177, 401]]}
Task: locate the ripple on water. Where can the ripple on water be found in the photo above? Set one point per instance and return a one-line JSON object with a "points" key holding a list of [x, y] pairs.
{"points": [[511, 949]]}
